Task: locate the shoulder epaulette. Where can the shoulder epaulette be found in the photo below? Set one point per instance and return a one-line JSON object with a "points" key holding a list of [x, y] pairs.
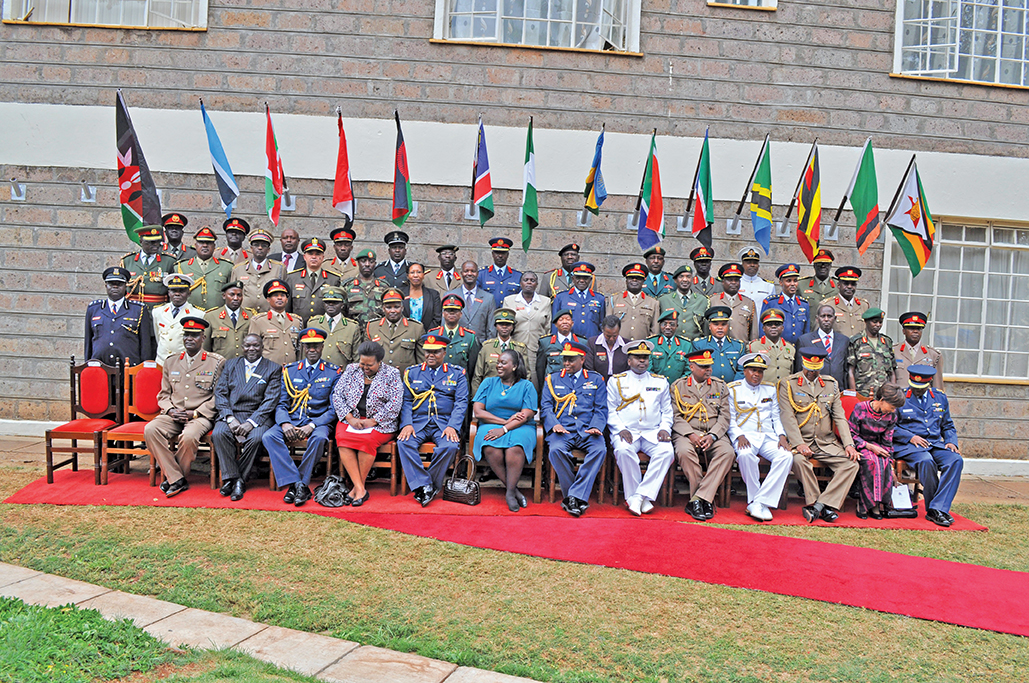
{"points": [[95, 301], [621, 374], [654, 374]]}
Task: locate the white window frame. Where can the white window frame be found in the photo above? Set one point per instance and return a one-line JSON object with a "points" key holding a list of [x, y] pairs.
{"points": [[440, 30], [10, 16], [745, 4]]}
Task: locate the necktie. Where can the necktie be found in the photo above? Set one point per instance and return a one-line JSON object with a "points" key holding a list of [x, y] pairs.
{"points": [[249, 371], [467, 300], [175, 314], [684, 299], [719, 345], [503, 347], [396, 268], [233, 318], [828, 343], [332, 325], [450, 280], [114, 309], [258, 267]]}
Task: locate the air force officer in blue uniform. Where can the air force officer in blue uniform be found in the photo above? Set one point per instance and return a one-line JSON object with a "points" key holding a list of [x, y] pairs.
{"points": [[926, 438], [586, 305], [795, 309], [116, 327], [305, 412], [435, 404], [574, 412]]}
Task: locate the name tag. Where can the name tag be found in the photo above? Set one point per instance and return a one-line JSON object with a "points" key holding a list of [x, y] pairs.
{"points": [[766, 400], [653, 388]]}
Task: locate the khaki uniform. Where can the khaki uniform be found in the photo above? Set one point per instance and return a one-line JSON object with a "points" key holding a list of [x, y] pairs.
{"points": [[815, 291], [279, 332], [341, 344], [743, 323], [436, 279], [346, 270], [240, 255], [222, 338], [917, 355], [185, 385], [178, 253], [364, 299], [702, 408], [532, 321], [809, 411], [691, 314], [780, 357], [638, 314], [306, 287], [168, 329], [400, 341], [872, 361], [146, 283], [486, 362], [848, 317], [706, 286], [208, 278], [254, 281], [557, 281]]}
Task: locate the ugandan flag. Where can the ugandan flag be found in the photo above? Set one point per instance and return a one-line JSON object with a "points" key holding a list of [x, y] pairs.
{"points": [[136, 190], [401, 180], [809, 206], [911, 222]]}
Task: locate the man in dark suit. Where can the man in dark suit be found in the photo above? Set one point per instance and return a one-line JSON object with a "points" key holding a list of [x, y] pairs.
{"points": [[479, 304], [245, 396], [835, 344], [290, 256]]}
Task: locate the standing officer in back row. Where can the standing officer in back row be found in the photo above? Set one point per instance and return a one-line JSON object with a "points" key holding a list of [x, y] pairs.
{"points": [[587, 305], [560, 279], [816, 289], [342, 264], [397, 335], [669, 352], [147, 268], [743, 324], [257, 271], [725, 351], [208, 273], [912, 351], [500, 279], [307, 283], [228, 324], [870, 361], [236, 230], [343, 334], [702, 282], [116, 327], [752, 285], [689, 305], [489, 354], [393, 271], [364, 293], [658, 282], [637, 311], [174, 226], [796, 317], [849, 308]]}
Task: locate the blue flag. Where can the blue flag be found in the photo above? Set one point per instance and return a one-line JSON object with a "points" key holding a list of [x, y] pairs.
{"points": [[595, 192], [228, 190]]}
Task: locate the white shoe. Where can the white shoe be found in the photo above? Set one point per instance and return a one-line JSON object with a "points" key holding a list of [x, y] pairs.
{"points": [[767, 513], [635, 504], [759, 512], [647, 506]]}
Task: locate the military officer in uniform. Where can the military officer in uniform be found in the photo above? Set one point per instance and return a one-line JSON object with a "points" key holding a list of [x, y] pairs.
{"points": [[870, 360], [700, 409], [257, 271], [587, 306], [307, 283], [849, 308], [463, 347], [756, 431], [637, 311], [816, 289], [207, 272], [147, 268], [912, 351], [658, 282], [670, 353], [500, 279], [560, 279], [725, 351], [779, 353], [743, 324], [486, 360], [752, 285], [236, 230], [574, 413], [228, 324], [168, 318], [925, 438], [689, 305], [532, 319], [304, 412], [796, 317], [810, 408], [342, 264], [364, 292], [434, 408], [187, 405], [548, 358], [639, 419], [397, 335], [343, 335], [278, 328], [116, 327], [446, 277], [393, 271], [702, 282], [174, 226]]}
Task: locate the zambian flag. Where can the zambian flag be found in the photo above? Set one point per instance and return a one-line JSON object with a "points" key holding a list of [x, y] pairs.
{"points": [[864, 199], [911, 222]]}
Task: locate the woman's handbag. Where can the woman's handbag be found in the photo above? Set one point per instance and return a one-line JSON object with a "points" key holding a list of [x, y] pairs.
{"points": [[462, 490]]}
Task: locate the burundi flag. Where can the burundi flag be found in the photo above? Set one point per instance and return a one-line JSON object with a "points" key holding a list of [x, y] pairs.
{"points": [[482, 186], [911, 222], [809, 206], [136, 190], [864, 199], [761, 199], [402, 203], [704, 209], [228, 190], [342, 188], [274, 178], [530, 205], [595, 192], [651, 222]]}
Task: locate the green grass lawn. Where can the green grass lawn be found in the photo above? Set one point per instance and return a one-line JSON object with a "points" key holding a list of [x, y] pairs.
{"points": [[548, 620]]}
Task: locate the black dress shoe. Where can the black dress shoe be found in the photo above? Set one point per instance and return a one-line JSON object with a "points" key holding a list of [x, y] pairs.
{"points": [[164, 486], [178, 487], [812, 512], [429, 492], [238, 489], [583, 505], [358, 502], [874, 513], [709, 508], [938, 517], [830, 515], [863, 515], [949, 517], [522, 503], [291, 495], [695, 508], [227, 487], [569, 506], [303, 495]]}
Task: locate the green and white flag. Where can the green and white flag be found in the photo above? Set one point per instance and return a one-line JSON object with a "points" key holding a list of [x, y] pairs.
{"points": [[530, 209]]}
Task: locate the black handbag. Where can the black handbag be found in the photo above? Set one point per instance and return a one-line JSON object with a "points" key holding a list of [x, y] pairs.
{"points": [[462, 490], [331, 493]]}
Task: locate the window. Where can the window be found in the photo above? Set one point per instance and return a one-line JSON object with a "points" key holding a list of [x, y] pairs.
{"points": [[975, 289], [753, 4], [186, 14], [584, 24], [970, 40]]}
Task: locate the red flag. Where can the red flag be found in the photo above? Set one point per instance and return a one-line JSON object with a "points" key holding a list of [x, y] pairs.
{"points": [[402, 204], [274, 178], [342, 190]]}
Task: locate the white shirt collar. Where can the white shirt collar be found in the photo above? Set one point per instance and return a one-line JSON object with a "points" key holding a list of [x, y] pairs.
{"points": [[619, 343], [119, 303]]}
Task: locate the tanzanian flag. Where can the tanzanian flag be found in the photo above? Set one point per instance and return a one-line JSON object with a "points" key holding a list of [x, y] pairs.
{"points": [[809, 206], [761, 199], [650, 205], [401, 180], [911, 222], [595, 192], [136, 190]]}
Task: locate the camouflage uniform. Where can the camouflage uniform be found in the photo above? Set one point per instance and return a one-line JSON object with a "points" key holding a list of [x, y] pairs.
{"points": [[364, 299], [872, 361]]}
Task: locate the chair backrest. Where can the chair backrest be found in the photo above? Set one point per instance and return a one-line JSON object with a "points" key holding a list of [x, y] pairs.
{"points": [[96, 390], [849, 400], [142, 384]]}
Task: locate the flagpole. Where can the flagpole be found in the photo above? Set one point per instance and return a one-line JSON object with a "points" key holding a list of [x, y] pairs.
{"points": [[749, 186], [893, 204], [693, 185], [582, 215], [643, 181], [793, 202], [850, 188]]}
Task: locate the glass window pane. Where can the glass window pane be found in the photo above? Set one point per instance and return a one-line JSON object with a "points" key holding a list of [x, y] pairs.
{"points": [[1019, 312], [999, 286], [512, 31], [993, 363], [1020, 262], [971, 311], [953, 232], [967, 362], [923, 284], [947, 310], [945, 336], [920, 303], [1018, 366], [950, 258], [1019, 287], [995, 338], [975, 234], [974, 259], [971, 285], [1018, 339], [996, 312]]}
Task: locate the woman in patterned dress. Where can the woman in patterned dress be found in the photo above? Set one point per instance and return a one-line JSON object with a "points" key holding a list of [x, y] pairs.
{"points": [[871, 425]]}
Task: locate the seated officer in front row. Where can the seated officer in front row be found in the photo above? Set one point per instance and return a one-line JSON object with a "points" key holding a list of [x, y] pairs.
{"points": [[574, 413], [434, 408], [304, 412]]}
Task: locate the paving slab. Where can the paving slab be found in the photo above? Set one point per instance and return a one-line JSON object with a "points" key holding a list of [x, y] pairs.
{"points": [[369, 664], [467, 674], [12, 573], [204, 630], [51, 591], [142, 610], [306, 653]]}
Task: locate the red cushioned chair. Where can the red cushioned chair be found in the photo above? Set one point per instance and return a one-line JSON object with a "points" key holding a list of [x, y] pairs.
{"points": [[903, 473], [96, 393], [141, 386]]}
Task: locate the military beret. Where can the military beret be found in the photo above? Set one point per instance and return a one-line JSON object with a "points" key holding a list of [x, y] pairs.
{"points": [[365, 253], [562, 312], [232, 285], [661, 251], [568, 247], [872, 313], [670, 314], [682, 269]]}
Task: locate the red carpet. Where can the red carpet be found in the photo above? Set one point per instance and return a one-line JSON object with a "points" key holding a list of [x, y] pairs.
{"points": [[949, 592]]}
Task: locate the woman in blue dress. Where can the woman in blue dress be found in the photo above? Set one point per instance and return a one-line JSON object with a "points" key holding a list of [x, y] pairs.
{"points": [[505, 406]]}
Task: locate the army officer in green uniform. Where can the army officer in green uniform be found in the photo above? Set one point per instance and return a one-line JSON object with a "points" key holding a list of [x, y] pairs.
{"points": [[670, 354]]}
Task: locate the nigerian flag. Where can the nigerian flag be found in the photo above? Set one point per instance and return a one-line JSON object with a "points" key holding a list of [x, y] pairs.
{"points": [[530, 209]]}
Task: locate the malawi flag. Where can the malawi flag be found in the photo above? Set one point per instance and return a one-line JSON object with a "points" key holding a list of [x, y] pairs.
{"points": [[651, 220], [704, 209], [911, 222], [402, 203], [342, 189], [228, 190], [864, 199], [595, 192], [530, 203], [274, 178], [137, 192], [809, 206], [482, 186], [761, 199]]}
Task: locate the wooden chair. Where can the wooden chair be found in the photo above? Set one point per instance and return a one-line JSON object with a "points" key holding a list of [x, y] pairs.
{"points": [[666, 487], [580, 457], [140, 388], [296, 451], [904, 473], [724, 489], [425, 453], [385, 456], [96, 394], [536, 466]]}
